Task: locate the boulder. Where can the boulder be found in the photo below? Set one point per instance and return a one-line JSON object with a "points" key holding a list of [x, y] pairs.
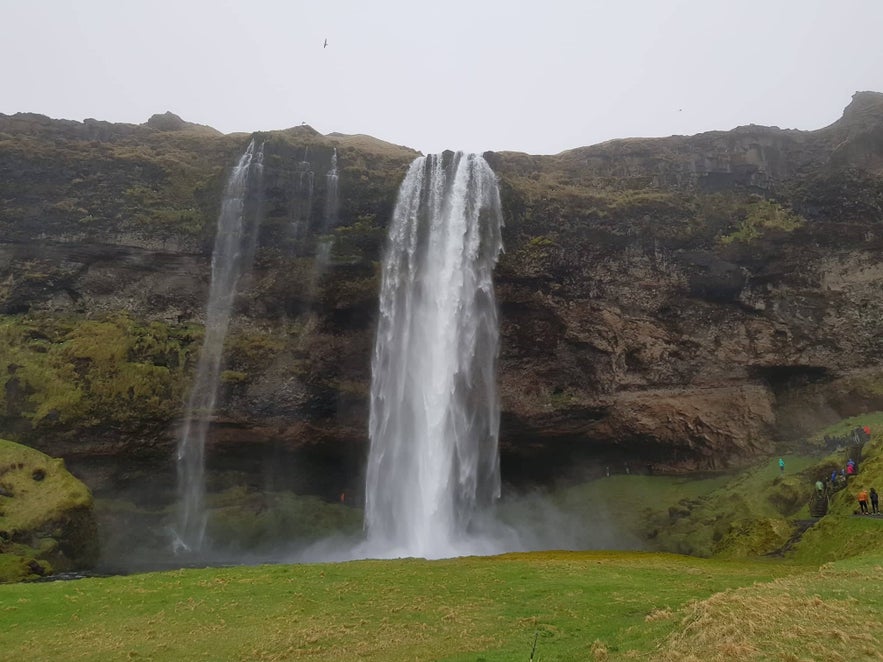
{"points": [[46, 519]]}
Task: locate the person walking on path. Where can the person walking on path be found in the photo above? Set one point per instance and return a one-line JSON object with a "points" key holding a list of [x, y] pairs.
{"points": [[875, 501], [863, 501], [781, 465]]}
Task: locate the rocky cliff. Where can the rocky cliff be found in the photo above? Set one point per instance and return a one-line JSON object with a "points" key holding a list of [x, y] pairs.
{"points": [[675, 303]]}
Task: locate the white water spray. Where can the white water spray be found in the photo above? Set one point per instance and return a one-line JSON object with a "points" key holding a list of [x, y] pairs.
{"points": [[233, 248], [434, 462]]}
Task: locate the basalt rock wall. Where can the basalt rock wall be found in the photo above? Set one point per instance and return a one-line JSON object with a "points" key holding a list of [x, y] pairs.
{"points": [[679, 303]]}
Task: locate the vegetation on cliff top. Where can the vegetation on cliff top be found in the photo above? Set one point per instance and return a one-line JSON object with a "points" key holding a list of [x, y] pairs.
{"points": [[150, 183]]}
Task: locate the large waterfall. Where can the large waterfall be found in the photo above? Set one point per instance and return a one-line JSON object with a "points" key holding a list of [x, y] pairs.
{"points": [[234, 244], [434, 462]]}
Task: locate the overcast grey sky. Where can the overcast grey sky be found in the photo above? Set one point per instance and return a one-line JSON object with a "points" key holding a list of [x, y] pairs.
{"points": [[539, 76]]}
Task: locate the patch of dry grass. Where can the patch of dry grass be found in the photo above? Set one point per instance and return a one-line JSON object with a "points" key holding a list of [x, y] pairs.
{"points": [[778, 620]]}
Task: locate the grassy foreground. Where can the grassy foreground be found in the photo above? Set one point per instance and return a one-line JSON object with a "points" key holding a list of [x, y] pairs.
{"points": [[823, 602], [578, 605]]}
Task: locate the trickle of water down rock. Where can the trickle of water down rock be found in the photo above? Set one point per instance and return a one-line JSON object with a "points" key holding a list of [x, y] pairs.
{"points": [[234, 247], [433, 464], [329, 220]]}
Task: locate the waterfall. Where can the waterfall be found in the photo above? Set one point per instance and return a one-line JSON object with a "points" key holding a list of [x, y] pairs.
{"points": [[234, 247], [433, 462], [303, 195], [332, 203], [329, 220]]}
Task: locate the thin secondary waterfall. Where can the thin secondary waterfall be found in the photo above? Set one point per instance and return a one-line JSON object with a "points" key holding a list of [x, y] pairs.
{"points": [[303, 189], [329, 220], [434, 421], [332, 202], [234, 246]]}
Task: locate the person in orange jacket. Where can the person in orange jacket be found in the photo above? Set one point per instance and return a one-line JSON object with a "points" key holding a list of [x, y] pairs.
{"points": [[863, 501]]}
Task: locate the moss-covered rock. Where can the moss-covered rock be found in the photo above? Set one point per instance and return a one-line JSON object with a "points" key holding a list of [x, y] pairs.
{"points": [[46, 518], [753, 537]]}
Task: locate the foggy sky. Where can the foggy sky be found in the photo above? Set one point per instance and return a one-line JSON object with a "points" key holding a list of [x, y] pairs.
{"points": [[538, 77]]}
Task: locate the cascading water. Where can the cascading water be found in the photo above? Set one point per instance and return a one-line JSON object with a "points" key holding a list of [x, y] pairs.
{"points": [[332, 203], [234, 245], [303, 190], [434, 421], [329, 219]]}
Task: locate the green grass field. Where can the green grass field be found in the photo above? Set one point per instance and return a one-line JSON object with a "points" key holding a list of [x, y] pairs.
{"points": [[578, 606]]}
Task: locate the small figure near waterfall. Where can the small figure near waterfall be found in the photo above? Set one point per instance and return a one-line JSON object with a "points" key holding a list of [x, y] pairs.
{"points": [[781, 465], [875, 501]]}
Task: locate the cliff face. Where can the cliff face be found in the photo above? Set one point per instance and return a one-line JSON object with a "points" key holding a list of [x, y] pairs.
{"points": [[677, 302]]}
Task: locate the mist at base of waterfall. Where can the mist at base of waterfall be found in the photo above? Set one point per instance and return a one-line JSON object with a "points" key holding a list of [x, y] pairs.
{"points": [[281, 527]]}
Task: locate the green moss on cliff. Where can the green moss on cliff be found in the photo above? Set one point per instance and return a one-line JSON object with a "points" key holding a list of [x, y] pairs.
{"points": [[759, 218], [59, 372]]}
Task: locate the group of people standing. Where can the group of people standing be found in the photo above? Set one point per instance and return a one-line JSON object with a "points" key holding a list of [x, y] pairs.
{"points": [[839, 479]]}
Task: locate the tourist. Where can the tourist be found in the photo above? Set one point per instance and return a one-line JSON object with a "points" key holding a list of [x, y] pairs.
{"points": [[820, 487], [863, 501], [850, 468], [834, 477], [875, 500], [781, 465]]}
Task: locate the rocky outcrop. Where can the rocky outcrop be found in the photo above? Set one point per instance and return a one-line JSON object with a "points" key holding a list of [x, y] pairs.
{"points": [[678, 302], [46, 519]]}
